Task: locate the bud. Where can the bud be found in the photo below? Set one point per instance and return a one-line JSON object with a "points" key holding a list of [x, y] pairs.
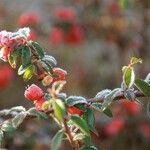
{"points": [[47, 80]]}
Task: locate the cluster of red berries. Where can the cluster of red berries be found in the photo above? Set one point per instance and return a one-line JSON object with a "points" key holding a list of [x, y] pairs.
{"points": [[36, 95], [67, 30], [10, 41], [28, 19], [126, 108]]}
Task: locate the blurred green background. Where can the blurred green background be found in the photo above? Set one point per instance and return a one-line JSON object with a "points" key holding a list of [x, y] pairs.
{"points": [[100, 38]]}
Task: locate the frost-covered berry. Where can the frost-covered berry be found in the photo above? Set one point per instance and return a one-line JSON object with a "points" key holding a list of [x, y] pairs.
{"points": [[5, 38], [38, 104], [33, 93]]}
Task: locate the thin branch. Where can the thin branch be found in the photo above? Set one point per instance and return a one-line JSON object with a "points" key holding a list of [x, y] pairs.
{"points": [[69, 136], [120, 97], [91, 100], [29, 116]]}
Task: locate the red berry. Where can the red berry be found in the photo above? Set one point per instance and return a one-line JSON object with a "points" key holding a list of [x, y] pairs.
{"points": [[6, 75], [74, 111], [33, 93], [145, 129], [114, 127], [60, 73], [28, 19], [39, 103], [131, 108], [56, 36], [74, 35], [64, 14]]}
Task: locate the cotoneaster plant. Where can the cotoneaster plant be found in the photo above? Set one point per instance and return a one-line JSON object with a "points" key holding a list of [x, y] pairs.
{"points": [[73, 114]]}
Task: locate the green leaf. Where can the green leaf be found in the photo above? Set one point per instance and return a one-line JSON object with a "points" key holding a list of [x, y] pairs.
{"points": [[143, 86], [17, 108], [81, 124], [97, 106], [123, 4], [40, 115], [114, 93], [128, 77], [87, 140], [148, 108], [147, 79], [7, 126], [109, 98], [18, 119], [81, 107], [56, 140], [89, 117], [73, 100], [1, 136], [12, 57], [50, 60], [26, 54], [47, 67], [59, 109], [38, 49], [89, 148], [102, 94], [62, 96], [135, 60], [28, 73], [108, 112], [22, 69]]}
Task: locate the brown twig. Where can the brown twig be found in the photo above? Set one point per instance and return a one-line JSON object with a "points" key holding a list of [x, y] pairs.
{"points": [[29, 116], [69, 136], [120, 97], [91, 100]]}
